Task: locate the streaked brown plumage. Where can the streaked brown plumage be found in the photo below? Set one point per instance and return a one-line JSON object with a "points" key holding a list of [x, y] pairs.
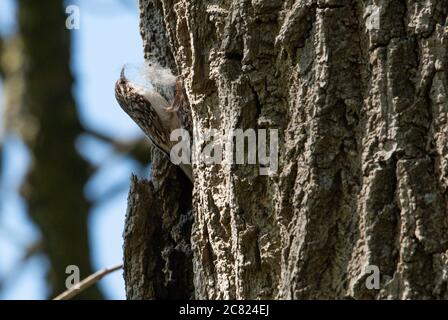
{"points": [[154, 114]]}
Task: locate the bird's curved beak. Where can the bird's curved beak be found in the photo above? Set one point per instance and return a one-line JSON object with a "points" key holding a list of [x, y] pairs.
{"points": [[122, 76]]}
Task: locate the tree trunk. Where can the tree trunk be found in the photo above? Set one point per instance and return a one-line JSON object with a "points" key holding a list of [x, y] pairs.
{"points": [[49, 125], [358, 93]]}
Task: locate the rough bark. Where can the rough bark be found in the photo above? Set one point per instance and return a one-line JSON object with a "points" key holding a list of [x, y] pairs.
{"points": [[157, 251], [362, 116], [158, 262]]}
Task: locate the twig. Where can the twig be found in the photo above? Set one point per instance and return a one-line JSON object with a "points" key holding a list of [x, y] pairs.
{"points": [[87, 283], [118, 145]]}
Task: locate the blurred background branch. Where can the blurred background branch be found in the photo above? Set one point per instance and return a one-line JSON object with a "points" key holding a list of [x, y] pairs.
{"points": [[76, 147], [54, 185]]}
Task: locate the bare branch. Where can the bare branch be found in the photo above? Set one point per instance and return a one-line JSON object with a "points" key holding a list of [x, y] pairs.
{"points": [[87, 283]]}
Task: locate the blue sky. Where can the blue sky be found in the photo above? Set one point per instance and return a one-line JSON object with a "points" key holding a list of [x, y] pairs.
{"points": [[107, 39]]}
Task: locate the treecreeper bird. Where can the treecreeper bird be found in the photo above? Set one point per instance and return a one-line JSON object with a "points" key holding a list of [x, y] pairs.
{"points": [[158, 110]]}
